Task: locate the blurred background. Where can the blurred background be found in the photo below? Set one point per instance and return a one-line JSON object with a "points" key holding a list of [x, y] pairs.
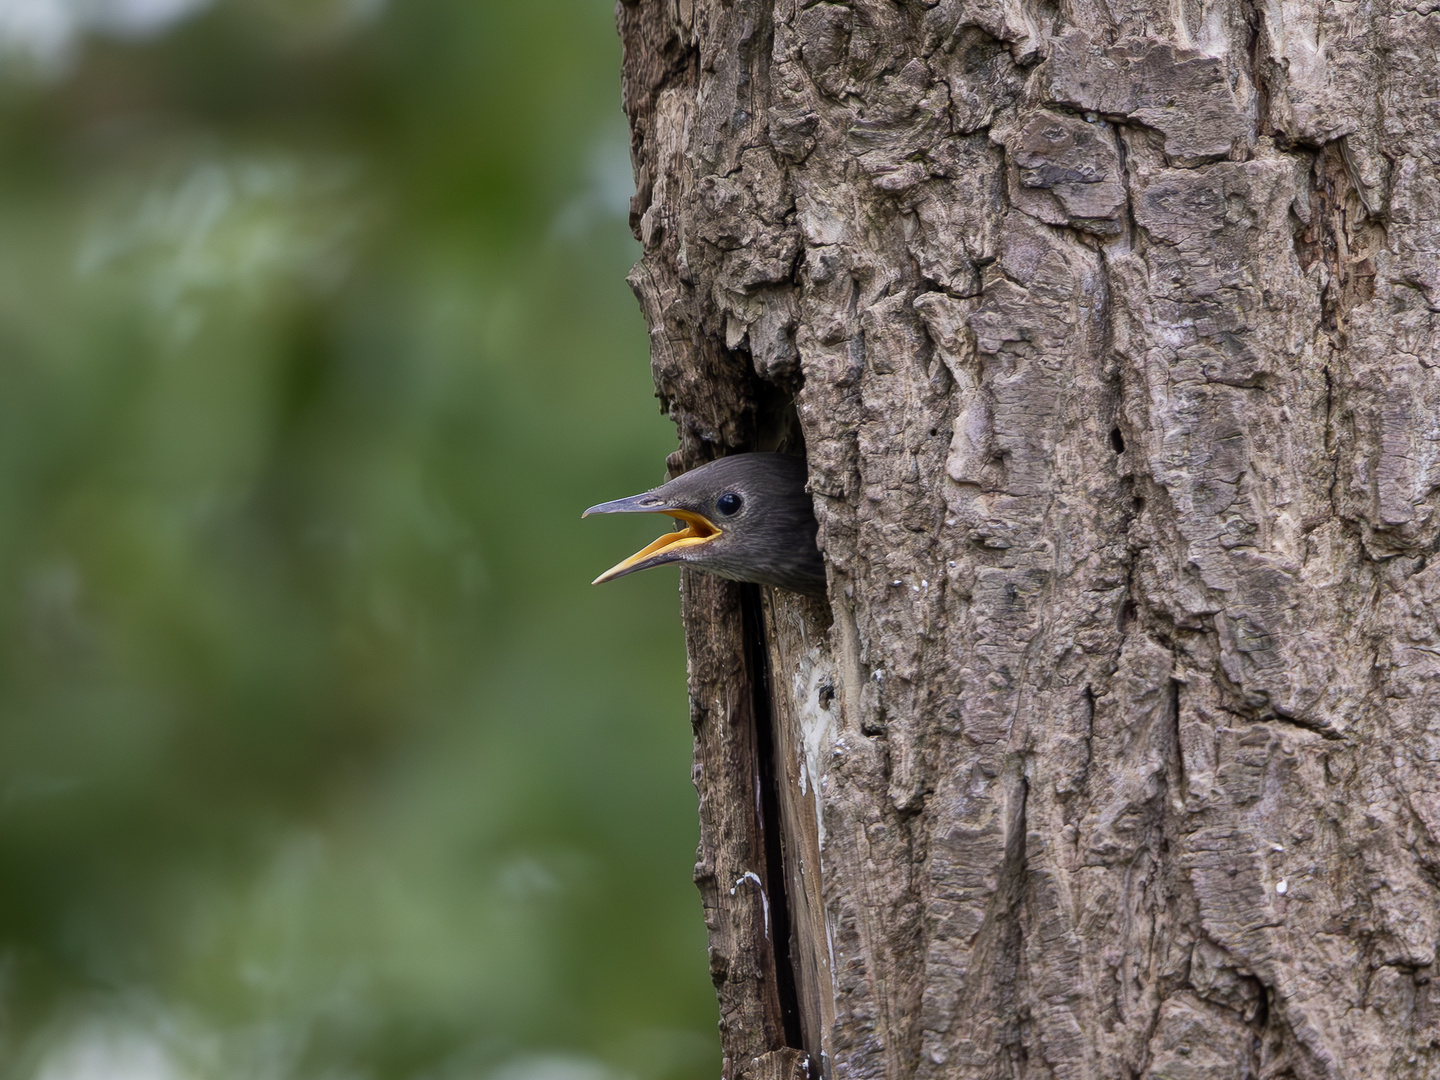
{"points": [[319, 756]]}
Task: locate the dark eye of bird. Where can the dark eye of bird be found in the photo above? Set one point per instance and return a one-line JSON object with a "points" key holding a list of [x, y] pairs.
{"points": [[728, 503]]}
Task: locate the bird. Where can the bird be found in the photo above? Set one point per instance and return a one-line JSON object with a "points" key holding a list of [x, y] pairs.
{"points": [[747, 518]]}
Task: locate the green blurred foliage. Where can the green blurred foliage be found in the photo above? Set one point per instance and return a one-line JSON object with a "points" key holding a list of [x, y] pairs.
{"points": [[319, 756]]}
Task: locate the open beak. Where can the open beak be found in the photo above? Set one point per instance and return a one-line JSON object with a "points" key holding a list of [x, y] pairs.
{"points": [[698, 530]]}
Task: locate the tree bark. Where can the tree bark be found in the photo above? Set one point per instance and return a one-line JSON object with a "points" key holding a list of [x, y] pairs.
{"points": [[1109, 332]]}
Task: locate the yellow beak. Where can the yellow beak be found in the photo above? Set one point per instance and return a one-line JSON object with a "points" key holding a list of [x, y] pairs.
{"points": [[698, 530]]}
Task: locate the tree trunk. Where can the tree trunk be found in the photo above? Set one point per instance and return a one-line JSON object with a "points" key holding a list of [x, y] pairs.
{"points": [[1109, 332]]}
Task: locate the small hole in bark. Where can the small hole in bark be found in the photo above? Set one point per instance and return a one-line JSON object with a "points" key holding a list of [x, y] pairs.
{"points": [[1117, 441], [1127, 615], [1261, 1005]]}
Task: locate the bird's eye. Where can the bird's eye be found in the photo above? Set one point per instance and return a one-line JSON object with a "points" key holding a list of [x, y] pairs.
{"points": [[728, 503]]}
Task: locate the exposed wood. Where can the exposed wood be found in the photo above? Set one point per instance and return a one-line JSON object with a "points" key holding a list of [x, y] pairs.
{"points": [[802, 689], [1112, 334]]}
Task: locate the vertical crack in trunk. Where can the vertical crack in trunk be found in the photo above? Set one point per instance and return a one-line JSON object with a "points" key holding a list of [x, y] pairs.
{"points": [[1010, 971], [768, 775], [1259, 62]]}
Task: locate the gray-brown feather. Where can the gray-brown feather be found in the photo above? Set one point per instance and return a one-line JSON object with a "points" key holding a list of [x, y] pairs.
{"points": [[770, 540]]}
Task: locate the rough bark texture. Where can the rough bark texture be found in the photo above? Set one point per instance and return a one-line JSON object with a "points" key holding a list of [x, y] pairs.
{"points": [[1110, 334]]}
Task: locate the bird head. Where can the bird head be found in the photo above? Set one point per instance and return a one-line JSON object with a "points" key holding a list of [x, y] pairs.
{"points": [[746, 517]]}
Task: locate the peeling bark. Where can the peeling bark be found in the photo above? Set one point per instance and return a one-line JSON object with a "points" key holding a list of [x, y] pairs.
{"points": [[1111, 335]]}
